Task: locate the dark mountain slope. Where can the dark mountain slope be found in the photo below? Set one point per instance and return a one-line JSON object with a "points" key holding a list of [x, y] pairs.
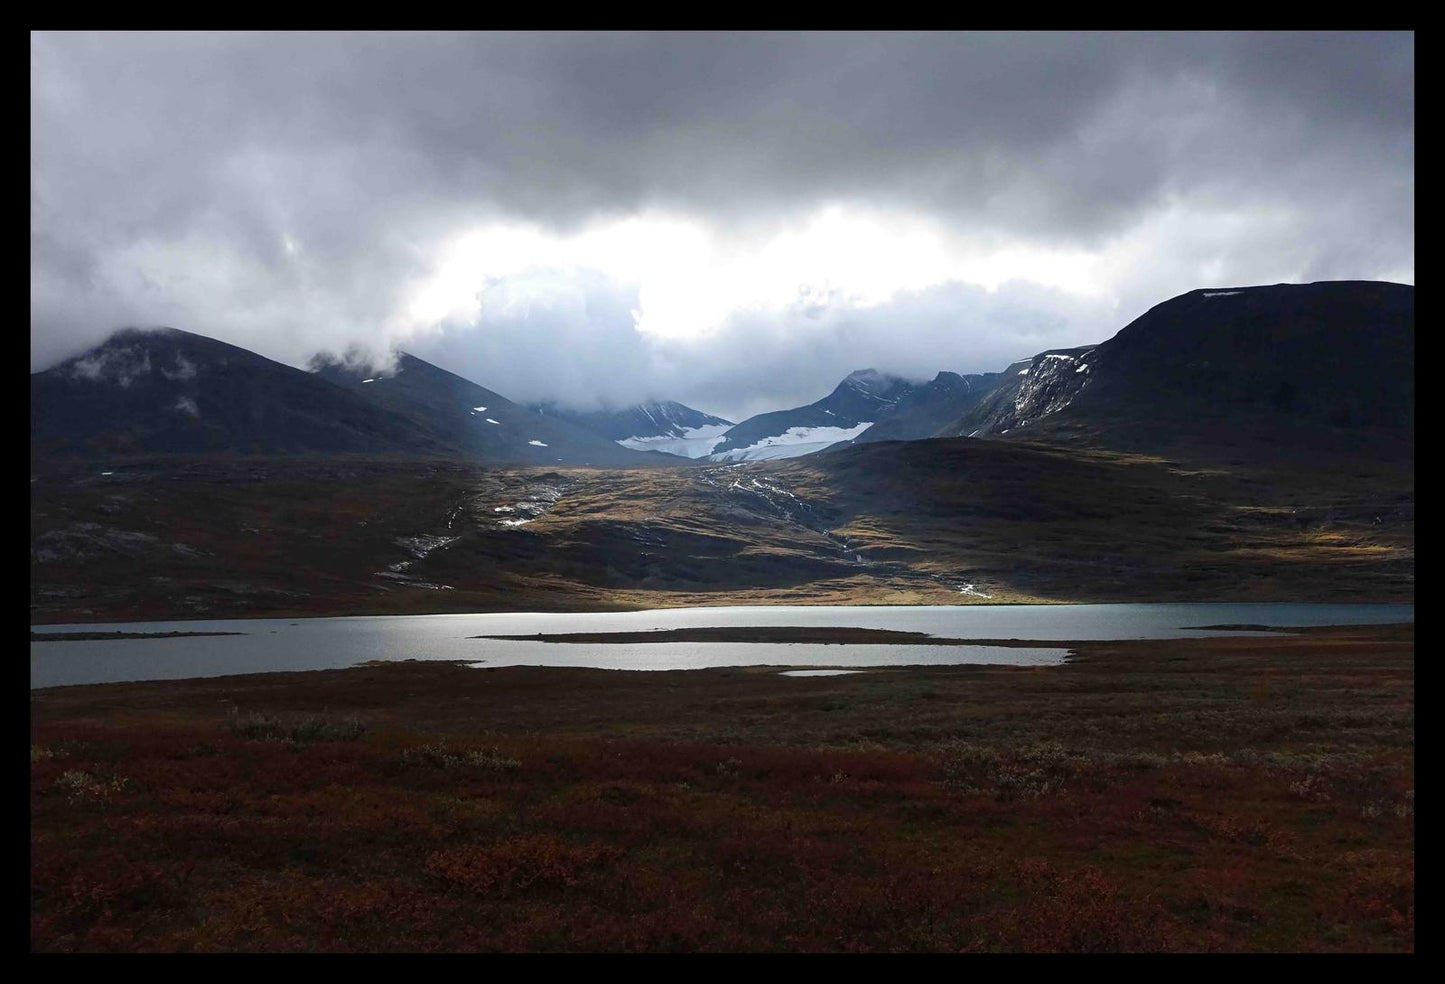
{"points": [[1025, 392], [1286, 359], [483, 423], [664, 418], [169, 391], [923, 411]]}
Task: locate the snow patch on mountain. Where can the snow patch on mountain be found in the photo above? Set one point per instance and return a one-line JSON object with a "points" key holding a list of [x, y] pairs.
{"points": [[793, 442], [1049, 386], [692, 442]]}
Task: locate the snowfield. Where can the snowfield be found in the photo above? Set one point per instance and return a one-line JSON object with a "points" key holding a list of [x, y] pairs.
{"points": [[792, 443], [695, 442]]}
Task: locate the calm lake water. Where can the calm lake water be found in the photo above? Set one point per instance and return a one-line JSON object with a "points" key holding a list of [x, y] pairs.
{"points": [[331, 643]]}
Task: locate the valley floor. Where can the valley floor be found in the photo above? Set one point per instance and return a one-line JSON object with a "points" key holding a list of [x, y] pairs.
{"points": [[1235, 794], [921, 522]]}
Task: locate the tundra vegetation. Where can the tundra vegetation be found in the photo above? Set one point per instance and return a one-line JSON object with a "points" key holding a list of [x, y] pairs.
{"points": [[918, 522], [1231, 794]]}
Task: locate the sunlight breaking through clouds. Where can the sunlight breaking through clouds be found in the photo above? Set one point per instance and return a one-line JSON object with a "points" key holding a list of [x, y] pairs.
{"points": [[689, 280]]}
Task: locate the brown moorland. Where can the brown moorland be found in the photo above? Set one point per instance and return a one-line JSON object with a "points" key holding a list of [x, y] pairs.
{"points": [[921, 522]]}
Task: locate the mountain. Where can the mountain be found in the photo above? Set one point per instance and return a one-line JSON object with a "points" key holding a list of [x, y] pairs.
{"points": [[1240, 364], [163, 390], [862, 399], [1290, 478], [924, 410], [1025, 392], [1264, 366], [656, 426], [480, 422]]}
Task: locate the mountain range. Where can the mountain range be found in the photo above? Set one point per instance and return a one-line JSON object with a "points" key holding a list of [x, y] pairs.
{"points": [[474, 420], [1326, 356], [163, 391], [1229, 444]]}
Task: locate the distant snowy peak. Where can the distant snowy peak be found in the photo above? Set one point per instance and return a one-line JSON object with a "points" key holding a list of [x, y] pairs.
{"points": [[662, 425], [672, 427], [924, 410], [882, 388], [863, 398], [474, 418], [869, 381], [667, 419]]}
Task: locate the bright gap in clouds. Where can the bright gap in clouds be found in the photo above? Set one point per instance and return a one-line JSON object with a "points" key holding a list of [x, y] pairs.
{"points": [[689, 279]]}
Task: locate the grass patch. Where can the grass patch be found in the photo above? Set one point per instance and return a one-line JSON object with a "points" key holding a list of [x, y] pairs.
{"points": [[441, 756]]}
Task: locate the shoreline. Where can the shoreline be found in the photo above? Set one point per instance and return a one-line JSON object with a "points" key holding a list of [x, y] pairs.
{"points": [[609, 610]]}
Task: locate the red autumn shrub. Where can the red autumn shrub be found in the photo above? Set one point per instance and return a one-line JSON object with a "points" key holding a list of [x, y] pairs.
{"points": [[519, 863]]}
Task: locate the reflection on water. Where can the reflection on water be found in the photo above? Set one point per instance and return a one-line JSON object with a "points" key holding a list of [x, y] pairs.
{"points": [[270, 645]]}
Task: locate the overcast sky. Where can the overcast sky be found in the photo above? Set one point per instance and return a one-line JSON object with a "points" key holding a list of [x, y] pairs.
{"points": [[731, 221]]}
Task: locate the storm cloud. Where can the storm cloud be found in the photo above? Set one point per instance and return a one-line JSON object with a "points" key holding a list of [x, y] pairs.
{"points": [[605, 218]]}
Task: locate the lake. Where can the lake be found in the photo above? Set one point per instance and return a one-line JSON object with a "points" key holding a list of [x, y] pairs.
{"points": [[270, 645]]}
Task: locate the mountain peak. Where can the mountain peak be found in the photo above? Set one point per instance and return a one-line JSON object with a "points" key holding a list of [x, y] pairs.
{"points": [[868, 380], [875, 385], [653, 425], [1334, 354], [164, 390]]}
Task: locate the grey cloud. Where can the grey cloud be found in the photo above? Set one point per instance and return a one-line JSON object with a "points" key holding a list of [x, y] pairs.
{"points": [[158, 158], [561, 127], [579, 346]]}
